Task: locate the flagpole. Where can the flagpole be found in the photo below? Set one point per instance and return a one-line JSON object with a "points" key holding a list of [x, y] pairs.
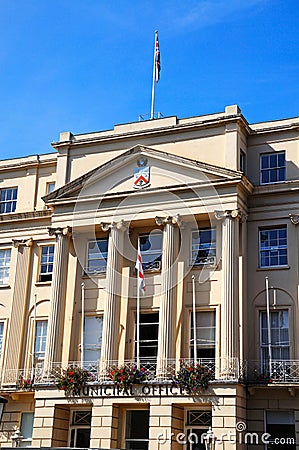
{"points": [[154, 79], [268, 326], [138, 318], [82, 325], [34, 333], [138, 328], [194, 320]]}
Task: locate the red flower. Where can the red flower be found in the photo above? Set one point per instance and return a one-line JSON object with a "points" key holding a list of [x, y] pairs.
{"points": [[72, 380], [71, 373]]}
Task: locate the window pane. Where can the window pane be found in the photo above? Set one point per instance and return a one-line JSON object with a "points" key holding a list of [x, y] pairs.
{"points": [[27, 425], [4, 266], [40, 339], [97, 255], [1, 336], [46, 263], [151, 250], [279, 328], [8, 200], [205, 334], [148, 333], [92, 338], [273, 247], [204, 246], [273, 167]]}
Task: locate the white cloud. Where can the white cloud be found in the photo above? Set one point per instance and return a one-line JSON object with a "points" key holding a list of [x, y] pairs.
{"points": [[203, 13]]}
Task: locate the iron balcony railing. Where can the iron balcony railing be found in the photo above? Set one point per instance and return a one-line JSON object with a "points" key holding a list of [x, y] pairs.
{"points": [[220, 370]]}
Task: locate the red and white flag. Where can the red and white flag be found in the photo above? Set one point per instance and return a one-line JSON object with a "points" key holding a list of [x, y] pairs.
{"points": [[157, 59], [140, 274]]}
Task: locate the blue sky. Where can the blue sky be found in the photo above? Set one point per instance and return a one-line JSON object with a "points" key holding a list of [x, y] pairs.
{"points": [[83, 66]]}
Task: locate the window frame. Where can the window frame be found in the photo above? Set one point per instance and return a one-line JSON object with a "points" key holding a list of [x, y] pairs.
{"points": [[27, 441], [263, 348], [43, 338], [103, 269], [48, 263], [145, 359], [157, 262], [12, 200], [97, 316], [243, 161], [48, 184], [277, 248], [191, 428], [211, 260], [190, 342], [277, 167], [277, 426], [5, 249], [76, 427]]}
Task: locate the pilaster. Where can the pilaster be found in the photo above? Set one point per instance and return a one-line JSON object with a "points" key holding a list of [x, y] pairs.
{"points": [[167, 312], [230, 291], [56, 316], [111, 320], [19, 303]]}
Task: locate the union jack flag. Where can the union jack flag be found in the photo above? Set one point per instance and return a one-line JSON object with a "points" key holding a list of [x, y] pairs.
{"points": [[140, 274], [157, 59]]}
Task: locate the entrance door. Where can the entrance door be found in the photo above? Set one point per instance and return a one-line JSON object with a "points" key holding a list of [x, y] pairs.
{"points": [[195, 439], [197, 424], [137, 429]]}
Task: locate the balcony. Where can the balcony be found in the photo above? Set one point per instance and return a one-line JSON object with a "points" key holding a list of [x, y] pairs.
{"points": [[278, 372], [220, 371]]}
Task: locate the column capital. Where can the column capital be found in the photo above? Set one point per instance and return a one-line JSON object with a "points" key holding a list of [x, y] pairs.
{"points": [[173, 220], [120, 226], [59, 231], [294, 218], [17, 243], [232, 214]]}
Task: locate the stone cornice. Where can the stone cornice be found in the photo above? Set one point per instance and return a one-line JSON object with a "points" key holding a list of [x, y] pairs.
{"points": [[112, 135], [25, 215]]}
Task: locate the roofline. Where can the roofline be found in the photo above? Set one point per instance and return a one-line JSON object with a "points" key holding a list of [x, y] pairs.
{"points": [[177, 126]]}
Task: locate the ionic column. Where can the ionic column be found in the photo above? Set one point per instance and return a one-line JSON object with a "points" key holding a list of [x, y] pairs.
{"points": [[167, 311], [19, 305], [59, 276], [111, 327], [230, 292]]}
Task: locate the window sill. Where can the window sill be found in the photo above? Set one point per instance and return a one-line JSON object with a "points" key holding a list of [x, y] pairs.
{"points": [[94, 275], [4, 286], [203, 266], [273, 268], [43, 283]]}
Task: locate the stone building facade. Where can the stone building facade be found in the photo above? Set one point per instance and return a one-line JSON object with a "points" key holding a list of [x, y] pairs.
{"points": [[213, 203]]}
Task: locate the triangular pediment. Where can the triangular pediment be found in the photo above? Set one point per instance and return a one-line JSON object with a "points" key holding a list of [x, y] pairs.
{"points": [[158, 169]]}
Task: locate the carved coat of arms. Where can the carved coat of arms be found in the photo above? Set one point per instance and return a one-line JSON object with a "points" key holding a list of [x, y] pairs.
{"points": [[141, 174]]}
